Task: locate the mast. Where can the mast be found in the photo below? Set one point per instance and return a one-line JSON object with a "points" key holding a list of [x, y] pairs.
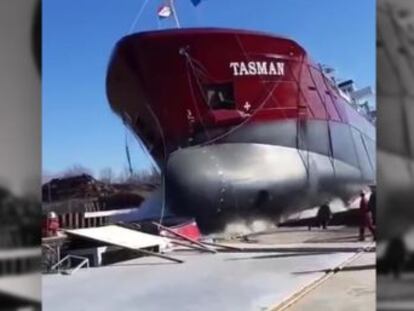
{"points": [[174, 13]]}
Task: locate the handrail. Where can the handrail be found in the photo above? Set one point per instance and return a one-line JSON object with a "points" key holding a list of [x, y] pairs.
{"points": [[84, 262]]}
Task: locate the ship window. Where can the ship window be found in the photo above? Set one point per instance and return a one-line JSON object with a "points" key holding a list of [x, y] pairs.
{"points": [[220, 96]]}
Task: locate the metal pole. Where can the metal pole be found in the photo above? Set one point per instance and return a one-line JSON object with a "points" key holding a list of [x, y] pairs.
{"points": [[174, 12], [224, 246], [193, 246]]}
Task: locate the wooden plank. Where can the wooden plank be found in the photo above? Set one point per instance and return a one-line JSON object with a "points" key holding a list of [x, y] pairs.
{"points": [[234, 248], [190, 246]]}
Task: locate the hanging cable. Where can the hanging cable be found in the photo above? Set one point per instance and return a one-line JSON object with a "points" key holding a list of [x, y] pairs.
{"points": [[164, 146], [190, 61], [157, 122], [201, 69], [305, 162], [128, 155], [195, 104], [174, 13], [158, 23], [137, 17], [244, 122], [163, 152]]}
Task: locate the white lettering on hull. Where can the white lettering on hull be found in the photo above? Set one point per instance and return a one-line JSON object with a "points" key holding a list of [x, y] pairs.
{"points": [[269, 68]]}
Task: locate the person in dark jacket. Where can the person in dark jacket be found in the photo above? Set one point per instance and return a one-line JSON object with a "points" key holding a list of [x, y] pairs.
{"points": [[324, 215], [372, 206], [396, 254], [365, 218]]}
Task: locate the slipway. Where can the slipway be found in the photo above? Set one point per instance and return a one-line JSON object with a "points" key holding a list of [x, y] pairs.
{"points": [[240, 280]]}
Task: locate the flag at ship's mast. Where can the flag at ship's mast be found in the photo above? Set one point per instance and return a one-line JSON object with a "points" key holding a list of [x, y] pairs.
{"points": [[168, 9], [164, 11]]}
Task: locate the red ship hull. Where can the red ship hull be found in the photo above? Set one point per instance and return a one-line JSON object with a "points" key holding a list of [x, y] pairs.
{"points": [[242, 124]]}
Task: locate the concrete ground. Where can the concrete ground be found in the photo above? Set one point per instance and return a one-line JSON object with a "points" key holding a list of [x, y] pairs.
{"points": [[395, 294], [291, 235], [256, 280], [352, 288], [25, 286]]}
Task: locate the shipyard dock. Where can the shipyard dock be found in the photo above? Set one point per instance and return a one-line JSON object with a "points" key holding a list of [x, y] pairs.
{"points": [[279, 269]]}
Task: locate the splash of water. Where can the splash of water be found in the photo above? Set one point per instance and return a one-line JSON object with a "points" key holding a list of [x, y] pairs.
{"points": [[243, 227]]}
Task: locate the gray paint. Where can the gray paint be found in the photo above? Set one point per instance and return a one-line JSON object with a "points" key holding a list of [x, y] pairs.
{"points": [[395, 117], [250, 281], [267, 169]]}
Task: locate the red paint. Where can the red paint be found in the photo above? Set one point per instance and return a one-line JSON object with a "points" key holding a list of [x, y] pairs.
{"points": [[50, 226], [151, 81], [188, 229]]}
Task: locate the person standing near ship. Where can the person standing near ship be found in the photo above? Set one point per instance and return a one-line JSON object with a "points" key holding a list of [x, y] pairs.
{"points": [[372, 206], [324, 215], [365, 216]]}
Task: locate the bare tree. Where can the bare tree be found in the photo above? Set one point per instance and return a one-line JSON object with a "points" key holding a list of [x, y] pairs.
{"points": [[47, 176], [75, 170], [123, 176], [151, 176], [107, 175], [154, 176], [146, 177]]}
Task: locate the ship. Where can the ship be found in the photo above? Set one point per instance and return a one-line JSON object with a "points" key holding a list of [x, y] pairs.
{"points": [[395, 67], [244, 125], [395, 51]]}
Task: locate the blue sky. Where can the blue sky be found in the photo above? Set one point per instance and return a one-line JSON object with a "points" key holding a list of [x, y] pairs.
{"points": [[79, 35]]}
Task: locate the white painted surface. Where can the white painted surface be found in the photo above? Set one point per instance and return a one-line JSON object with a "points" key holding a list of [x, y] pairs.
{"points": [[123, 237]]}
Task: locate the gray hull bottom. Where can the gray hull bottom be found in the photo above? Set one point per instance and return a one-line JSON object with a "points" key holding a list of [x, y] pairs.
{"points": [[228, 181], [395, 197]]}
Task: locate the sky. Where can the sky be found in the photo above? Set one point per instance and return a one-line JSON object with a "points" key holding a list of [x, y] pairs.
{"points": [[79, 127]]}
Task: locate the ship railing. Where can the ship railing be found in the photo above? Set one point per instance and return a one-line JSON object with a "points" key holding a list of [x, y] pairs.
{"points": [[65, 266]]}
